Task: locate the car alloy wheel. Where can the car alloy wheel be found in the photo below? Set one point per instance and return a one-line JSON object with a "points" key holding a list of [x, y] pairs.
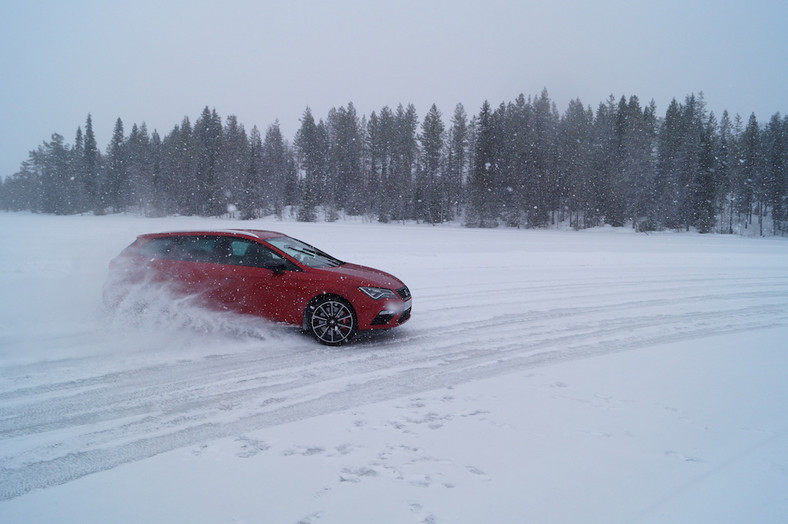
{"points": [[332, 321]]}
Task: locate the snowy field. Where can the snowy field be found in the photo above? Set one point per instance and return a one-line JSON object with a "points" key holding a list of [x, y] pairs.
{"points": [[545, 376]]}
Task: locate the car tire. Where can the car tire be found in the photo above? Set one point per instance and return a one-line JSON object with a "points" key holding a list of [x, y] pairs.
{"points": [[331, 320]]}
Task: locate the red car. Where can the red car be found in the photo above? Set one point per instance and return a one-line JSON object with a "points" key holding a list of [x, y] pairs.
{"points": [[267, 274]]}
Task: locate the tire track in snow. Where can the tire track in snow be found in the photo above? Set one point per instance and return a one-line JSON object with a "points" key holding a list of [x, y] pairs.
{"points": [[56, 432]]}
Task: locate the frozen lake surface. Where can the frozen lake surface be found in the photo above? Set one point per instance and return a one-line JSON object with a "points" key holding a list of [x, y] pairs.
{"points": [[545, 376]]}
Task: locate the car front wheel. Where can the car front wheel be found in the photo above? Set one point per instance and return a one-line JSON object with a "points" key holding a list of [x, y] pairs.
{"points": [[331, 320]]}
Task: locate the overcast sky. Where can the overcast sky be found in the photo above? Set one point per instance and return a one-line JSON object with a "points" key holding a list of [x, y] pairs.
{"points": [[159, 61]]}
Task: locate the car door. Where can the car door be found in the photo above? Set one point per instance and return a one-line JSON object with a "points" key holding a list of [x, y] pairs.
{"points": [[196, 267], [259, 281]]}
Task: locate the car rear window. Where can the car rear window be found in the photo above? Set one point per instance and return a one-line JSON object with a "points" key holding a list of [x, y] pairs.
{"points": [[194, 248], [156, 247]]}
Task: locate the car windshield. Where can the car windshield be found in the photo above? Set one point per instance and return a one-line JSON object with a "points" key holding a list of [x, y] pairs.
{"points": [[304, 253]]}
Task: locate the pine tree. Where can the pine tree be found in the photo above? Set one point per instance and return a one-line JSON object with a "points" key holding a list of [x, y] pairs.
{"points": [[311, 151], [115, 190], [157, 188], [457, 160], [515, 169], [250, 198], [383, 137], [139, 166], [372, 162], [778, 164], [750, 164], [23, 191], [346, 188], [636, 137], [725, 166], [575, 139], [484, 185], [50, 162], [208, 199], [278, 171], [92, 167], [668, 176], [430, 206], [737, 182], [693, 116], [178, 183], [541, 182], [775, 146], [234, 157], [704, 190], [404, 158], [77, 173]]}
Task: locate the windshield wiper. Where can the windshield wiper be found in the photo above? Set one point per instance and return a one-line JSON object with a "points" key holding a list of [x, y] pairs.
{"points": [[317, 254]]}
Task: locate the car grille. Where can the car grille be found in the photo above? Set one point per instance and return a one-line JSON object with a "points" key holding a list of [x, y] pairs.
{"points": [[382, 319], [404, 292]]}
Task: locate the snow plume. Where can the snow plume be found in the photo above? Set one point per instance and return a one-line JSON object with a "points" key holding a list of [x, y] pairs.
{"points": [[155, 309]]}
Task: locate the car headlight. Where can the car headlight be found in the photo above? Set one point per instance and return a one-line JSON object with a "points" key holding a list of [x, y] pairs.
{"points": [[377, 293]]}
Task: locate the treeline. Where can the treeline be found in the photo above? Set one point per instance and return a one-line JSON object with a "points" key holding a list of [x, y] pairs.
{"points": [[521, 164]]}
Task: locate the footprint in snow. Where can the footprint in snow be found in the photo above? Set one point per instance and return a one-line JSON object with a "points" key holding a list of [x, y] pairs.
{"points": [[682, 457], [356, 475], [250, 447], [306, 451]]}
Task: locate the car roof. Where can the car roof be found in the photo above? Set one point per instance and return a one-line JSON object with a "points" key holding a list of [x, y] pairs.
{"points": [[256, 233]]}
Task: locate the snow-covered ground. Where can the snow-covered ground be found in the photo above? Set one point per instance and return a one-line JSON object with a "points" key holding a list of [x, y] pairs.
{"points": [[546, 376]]}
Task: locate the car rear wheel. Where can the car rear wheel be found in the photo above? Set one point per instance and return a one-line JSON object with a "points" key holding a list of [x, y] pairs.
{"points": [[331, 320]]}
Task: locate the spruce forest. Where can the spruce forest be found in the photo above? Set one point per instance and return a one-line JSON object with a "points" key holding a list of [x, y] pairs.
{"points": [[521, 164]]}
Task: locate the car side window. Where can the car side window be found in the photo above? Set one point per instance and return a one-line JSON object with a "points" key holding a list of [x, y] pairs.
{"points": [[252, 254], [199, 248], [214, 249]]}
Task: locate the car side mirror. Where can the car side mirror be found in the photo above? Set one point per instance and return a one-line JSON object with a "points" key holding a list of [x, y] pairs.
{"points": [[277, 266]]}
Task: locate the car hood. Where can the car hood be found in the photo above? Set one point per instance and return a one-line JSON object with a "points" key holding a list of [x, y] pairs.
{"points": [[367, 276]]}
